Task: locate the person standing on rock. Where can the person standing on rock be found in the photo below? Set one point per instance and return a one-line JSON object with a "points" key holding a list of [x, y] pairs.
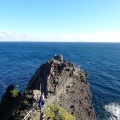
{"points": [[52, 74], [56, 81], [54, 88], [41, 116], [41, 103]]}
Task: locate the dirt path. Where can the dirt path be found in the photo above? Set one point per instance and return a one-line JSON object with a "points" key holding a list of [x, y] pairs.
{"points": [[52, 98], [58, 93]]}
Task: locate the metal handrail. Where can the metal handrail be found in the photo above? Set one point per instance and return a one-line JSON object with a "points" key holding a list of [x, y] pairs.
{"points": [[27, 116]]}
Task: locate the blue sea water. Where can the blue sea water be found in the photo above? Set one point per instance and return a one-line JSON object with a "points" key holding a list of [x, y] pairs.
{"points": [[19, 61]]}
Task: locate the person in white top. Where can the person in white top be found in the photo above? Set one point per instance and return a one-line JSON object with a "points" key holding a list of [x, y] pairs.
{"points": [[43, 96]]}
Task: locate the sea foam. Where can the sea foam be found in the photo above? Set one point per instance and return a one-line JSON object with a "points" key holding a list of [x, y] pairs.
{"points": [[114, 110]]}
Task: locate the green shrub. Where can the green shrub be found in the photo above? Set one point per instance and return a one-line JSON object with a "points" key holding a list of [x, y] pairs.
{"points": [[57, 113], [15, 92]]}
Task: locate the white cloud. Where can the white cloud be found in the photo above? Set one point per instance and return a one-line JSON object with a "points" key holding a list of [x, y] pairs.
{"points": [[91, 37]]}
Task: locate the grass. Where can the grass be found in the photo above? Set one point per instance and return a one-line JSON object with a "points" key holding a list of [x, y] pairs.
{"points": [[56, 112]]}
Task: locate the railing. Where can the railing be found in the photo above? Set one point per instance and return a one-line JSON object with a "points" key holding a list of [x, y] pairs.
{"points": [[29, 113], [27, 116]]}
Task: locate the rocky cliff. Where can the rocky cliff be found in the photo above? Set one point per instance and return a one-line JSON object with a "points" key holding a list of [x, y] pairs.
{"points": [[62, 83]]}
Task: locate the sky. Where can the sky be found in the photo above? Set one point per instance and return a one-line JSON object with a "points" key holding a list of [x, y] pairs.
{"points": [[60, 20]]}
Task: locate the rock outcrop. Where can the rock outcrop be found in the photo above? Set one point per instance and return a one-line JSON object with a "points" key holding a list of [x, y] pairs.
{"points": [[62, 83]]}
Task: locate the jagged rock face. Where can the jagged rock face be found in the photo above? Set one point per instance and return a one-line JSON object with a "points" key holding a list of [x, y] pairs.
{"points": [[15, 107], [8, 103], [76, 97], [59, 79]]}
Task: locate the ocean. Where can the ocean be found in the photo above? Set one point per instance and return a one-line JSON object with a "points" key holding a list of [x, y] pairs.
{"points": [[19, 61]]}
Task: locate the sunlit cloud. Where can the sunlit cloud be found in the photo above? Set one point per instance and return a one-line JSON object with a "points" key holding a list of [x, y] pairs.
{"points": [[91, 37]]}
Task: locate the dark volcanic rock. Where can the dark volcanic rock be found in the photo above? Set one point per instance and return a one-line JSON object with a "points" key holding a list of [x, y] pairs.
{"points": [[59, 78], [77, 98], [8, 103], [14, 107], [77, 101]]}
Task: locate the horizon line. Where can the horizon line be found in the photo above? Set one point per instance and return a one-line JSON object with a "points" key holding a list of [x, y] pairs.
{"points": [[58, 42]]}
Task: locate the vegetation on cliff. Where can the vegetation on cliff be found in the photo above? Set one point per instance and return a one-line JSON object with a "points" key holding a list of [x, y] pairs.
{"points": [[14, 105], [56, 112], [15, 92]]}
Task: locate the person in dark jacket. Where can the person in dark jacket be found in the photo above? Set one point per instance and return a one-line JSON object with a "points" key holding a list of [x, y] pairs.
{"points": [[41, 103]]}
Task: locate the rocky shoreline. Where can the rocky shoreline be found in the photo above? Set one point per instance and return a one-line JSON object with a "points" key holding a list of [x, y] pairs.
{"points": [[62, 83]]}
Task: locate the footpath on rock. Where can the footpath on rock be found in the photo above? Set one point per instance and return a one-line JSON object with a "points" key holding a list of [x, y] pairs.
{"points": [[62, 83]]}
